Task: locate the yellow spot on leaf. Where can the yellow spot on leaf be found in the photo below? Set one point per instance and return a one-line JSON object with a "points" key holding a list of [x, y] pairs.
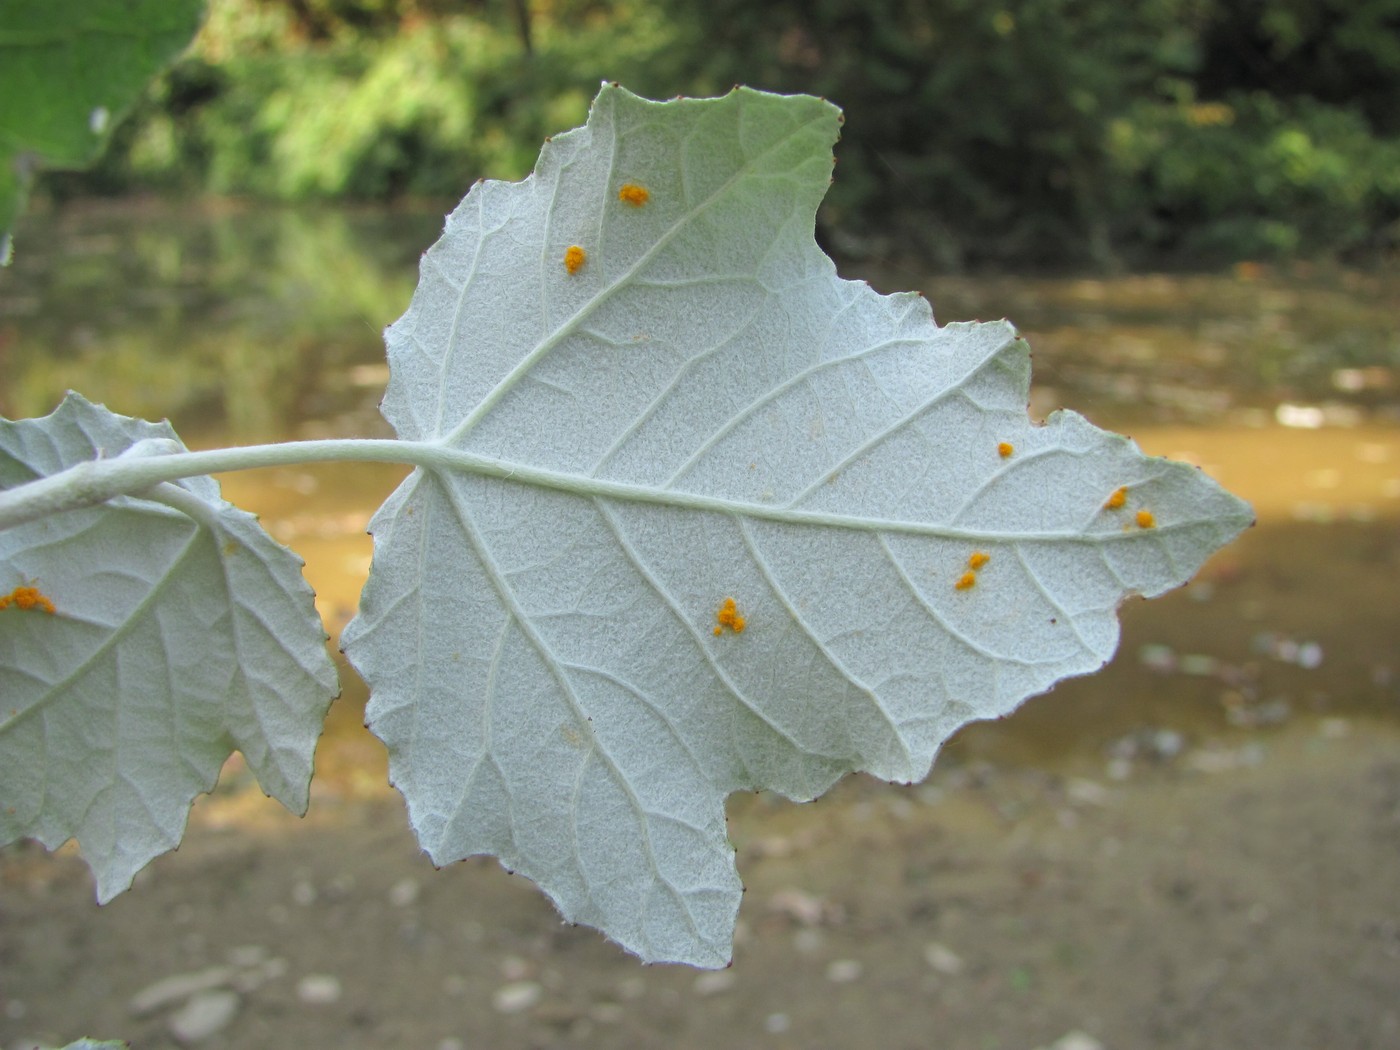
{"points": [[978, 559], [1116, 501], [966, 581], [633, 194], [1145, 519], [26, 598], [728, 616], [574, 258], [1005, 448]]}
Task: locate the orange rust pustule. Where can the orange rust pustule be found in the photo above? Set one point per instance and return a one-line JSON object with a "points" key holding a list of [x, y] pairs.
{"points": [[26, 598], [728, 616]]}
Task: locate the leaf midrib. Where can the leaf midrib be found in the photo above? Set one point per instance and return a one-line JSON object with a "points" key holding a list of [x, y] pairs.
{"points": [[435, 459]]}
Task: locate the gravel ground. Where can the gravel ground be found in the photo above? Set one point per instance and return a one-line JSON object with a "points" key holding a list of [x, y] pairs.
{"points": [[1233, 892]]}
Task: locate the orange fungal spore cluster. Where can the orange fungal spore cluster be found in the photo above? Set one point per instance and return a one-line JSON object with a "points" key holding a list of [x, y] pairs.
{"points": [[1004, 449], [975, 561], [575, 255], [26, 598], [728, 616], [1119, 499]]}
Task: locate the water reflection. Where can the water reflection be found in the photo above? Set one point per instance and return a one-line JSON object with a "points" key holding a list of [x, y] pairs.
{"points": [[238, 322], [255, 322], [1321, 343]]}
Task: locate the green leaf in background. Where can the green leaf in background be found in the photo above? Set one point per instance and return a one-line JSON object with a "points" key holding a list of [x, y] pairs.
{"points": [[751, 525], [141, 642], [69, 69]]}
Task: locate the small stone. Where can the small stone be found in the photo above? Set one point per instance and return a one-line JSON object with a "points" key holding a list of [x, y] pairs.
{"points": [[1076, 1040], [797, 904], [1088, 792], [1118, 769], [714, 983], [1157, 657], [1305, 417], [1214, 760], [254, 977], [900, 807], [517, 996], [304, 893], [942, 959], [777, 1024], [204, 1014], [403, 893], [319, 989], [1198, 665], [844, 971], [742, 933], [514, 968], [246, 955], [254, 968], [607, 1013], [1167, 744], [1334, 728], [1270, 713], [174, 989]]}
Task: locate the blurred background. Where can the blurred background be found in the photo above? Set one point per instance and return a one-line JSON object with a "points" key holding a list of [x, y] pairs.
{"points": [[1191, 208], [1029, 133]]}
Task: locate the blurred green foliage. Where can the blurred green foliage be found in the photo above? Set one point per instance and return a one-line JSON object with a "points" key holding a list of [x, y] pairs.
{"points": [[68, 70], [1036, 132]]}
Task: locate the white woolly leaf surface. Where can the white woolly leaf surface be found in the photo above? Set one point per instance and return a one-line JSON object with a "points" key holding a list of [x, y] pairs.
{"points": [[180, 632], [703, 410]]}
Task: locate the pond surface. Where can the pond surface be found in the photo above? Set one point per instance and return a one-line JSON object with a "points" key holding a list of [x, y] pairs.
{"points": [[243, 323]]}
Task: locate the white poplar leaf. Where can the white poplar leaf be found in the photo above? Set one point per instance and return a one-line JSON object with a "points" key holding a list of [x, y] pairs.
{"points": [[695, 408], [179, 632]]}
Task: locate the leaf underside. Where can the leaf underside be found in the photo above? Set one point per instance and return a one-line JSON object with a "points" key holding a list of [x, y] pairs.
{"points": [[176, 632], [706, 412]]}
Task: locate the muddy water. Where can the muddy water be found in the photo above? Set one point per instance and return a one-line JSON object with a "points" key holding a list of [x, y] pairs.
{"points": [[243, 325]]}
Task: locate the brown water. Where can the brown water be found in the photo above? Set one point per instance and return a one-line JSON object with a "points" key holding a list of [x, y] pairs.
{"points": [[243, 324]]}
